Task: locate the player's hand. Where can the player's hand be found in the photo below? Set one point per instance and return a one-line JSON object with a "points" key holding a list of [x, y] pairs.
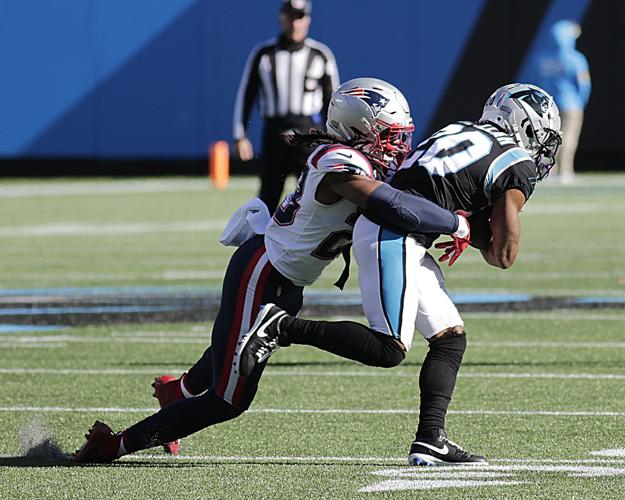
{"points": [[460, 240], [244, 149]]}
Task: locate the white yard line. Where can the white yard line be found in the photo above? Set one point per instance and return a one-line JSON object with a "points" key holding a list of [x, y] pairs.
{"points": [[19, 338], [565, 315], [533, 276], [117, 187], [594, 206], [270, 372], [53, 339], [328, 411], [163, 334], [104, 229], [104, 277], [543, 345]]}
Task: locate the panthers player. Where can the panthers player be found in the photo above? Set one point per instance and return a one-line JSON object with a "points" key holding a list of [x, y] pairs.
{"points": [[370, 129], [489, 168]]}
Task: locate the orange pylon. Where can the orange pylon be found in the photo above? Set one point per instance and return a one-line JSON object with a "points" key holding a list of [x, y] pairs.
{"points": [[219, 164]]}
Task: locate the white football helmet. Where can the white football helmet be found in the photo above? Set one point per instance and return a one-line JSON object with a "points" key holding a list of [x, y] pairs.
{"points": [[530, 115], [375, 115]]}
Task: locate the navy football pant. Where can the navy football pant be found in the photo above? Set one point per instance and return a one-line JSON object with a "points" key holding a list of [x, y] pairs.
{"points": [[250, 281]]}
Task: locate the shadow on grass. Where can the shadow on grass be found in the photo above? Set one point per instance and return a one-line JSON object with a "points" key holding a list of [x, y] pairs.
{"points": [[29, 462], [36, 462]]}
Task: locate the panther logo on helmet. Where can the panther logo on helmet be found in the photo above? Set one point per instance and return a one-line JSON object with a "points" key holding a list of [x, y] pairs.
{"points": [[536, 100]]}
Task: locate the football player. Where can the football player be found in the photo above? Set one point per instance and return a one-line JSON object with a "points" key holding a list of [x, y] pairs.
{"points": [[369, 131], [489, 168]]}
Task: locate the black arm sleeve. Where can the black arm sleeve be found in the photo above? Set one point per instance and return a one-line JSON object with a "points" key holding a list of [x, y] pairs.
{"points": [[390, 207]]}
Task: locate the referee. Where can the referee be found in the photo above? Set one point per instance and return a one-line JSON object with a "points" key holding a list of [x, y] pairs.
{"points": [[292, 77]]}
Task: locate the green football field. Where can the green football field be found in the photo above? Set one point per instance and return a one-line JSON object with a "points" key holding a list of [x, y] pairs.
{"points": [[541, 392]]}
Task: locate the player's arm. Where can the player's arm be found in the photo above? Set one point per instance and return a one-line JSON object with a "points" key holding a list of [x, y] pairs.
{"points": [[505, 226], [410, 213], [246, 96]]}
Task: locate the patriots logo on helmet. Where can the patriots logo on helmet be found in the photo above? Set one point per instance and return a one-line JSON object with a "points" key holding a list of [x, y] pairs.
{"points": [[374, 99]]}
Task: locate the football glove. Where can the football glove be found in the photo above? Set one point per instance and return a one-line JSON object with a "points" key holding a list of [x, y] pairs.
{"points": [[460, 240]]}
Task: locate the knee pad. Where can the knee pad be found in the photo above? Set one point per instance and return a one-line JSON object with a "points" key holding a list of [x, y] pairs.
{"points": [[392, 353]]}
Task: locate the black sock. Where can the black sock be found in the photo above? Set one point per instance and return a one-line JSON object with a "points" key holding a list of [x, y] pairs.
{"points": [[437, 381], [178, 420], [200, 375], [348, 339]]}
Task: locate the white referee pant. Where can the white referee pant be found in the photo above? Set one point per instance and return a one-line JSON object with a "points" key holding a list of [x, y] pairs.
{"points": [[401, 285]]}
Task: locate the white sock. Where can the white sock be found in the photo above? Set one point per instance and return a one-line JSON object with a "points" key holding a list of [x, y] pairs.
{"points": [[184, 390]]}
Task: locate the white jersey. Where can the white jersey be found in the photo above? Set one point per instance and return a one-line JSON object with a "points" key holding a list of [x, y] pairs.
{"points": [[305, 235]]}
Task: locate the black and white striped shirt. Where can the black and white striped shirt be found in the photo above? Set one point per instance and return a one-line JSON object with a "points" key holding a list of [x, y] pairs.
{"points": [[288, 79]]}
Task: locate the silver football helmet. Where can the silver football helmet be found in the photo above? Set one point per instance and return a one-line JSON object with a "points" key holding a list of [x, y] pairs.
{"points": [[531, 117], [375, 115]]}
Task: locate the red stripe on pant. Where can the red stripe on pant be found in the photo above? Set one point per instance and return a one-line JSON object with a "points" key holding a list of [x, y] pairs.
{"points": [[236, 322], [258, 296]]}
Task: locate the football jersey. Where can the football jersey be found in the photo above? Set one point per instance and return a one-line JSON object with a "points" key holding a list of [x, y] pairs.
{"points": [[467, 166], [305, 235]]}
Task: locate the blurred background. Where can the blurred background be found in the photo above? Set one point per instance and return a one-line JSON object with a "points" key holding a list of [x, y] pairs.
{"points": [[145, 86]]}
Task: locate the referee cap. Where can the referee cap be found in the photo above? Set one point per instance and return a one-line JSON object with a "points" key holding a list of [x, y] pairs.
{"points": [[299, 8]]}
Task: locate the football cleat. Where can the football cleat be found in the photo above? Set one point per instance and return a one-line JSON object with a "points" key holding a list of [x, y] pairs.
{"points": [[167, 390], [261, 341], [440, 450], [102, 445]]}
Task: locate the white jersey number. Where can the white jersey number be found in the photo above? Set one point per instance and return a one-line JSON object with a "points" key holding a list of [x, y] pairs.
{"points": [[454, 150]]}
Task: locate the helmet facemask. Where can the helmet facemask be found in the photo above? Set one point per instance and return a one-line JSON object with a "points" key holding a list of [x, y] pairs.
{"points": [[541, 141], [390, 144], [545, 156]]}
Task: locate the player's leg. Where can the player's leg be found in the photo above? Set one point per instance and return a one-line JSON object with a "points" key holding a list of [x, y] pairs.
{"points": [[386, 265], [440, 323], [274, 168], [250, 280], [383, 344]]}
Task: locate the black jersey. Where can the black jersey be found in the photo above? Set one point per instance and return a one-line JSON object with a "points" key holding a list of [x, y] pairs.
{"points": [[466, 166]]}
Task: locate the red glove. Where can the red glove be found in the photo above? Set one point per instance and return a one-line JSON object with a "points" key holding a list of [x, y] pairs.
{"points": [[460, 240]]}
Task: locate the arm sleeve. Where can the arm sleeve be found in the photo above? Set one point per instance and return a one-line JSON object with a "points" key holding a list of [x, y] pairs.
{"points": [[393, 208], [246, 95]]}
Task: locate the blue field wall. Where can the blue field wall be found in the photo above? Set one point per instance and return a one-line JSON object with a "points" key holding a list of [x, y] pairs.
{"points": [[124, 79], [158, 78], [574, 10]]}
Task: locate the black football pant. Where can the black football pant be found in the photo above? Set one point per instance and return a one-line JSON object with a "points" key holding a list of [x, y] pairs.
{"points": [[250, 281]]}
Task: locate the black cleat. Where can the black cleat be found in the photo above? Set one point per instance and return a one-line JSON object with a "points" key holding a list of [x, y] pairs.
{"points": [[261, 341], [439, 450]]}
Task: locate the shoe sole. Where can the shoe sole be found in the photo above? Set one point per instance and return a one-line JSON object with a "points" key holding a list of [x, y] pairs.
{"points": [[424, 460], [256, 327]]}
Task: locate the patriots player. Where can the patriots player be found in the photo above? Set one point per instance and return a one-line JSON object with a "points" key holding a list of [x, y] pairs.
{"points": [[369, 129], [489, 168]]}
